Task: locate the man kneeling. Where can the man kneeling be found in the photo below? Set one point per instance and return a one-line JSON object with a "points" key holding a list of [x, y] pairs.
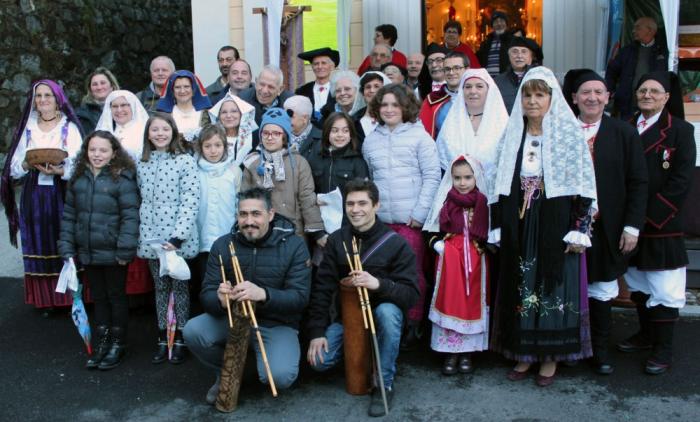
{"points": [[273, 263], [389, 274]]}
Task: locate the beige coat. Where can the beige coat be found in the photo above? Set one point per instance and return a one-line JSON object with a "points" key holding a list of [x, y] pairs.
{"points": [[294, 197]]}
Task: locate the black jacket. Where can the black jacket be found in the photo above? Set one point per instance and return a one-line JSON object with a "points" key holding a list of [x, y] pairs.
{"points": [[311, 139], [621, 183], [333, 169], [670, 140], [100, 221], [483, 53], [89, 114], [394, 264], [248, 95], [148, 98], [277, 263]]}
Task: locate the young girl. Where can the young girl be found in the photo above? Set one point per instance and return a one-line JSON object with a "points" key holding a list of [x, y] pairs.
{"points": [[169, 185], [219, 182], [100, 229], [286, 174], [459, 310]]}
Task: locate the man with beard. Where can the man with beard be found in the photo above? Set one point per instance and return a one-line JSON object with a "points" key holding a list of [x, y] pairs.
{"points": [[621, 183], [273, 262], [225, 58], [492, 53], [435, 107]]}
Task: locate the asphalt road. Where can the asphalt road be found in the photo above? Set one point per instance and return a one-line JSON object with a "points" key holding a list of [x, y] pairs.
{"points": [[43, 378]]}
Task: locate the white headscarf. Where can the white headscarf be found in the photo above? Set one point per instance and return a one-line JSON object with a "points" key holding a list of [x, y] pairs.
{"points": [[131, 134], [566, 161], [245, 129]]}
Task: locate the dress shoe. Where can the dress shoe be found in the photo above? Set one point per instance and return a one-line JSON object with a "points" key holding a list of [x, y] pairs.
{"points": [[636, 343], [376, 404], [101, 347], [655, 368], [116, 351], [449, 367], [514, 375], [161, 354], [179, 349], [465, 364], [214, 391], [544, 381]]}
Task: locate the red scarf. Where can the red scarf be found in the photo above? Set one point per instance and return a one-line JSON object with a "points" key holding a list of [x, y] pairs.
{"points": [[452, 213]]}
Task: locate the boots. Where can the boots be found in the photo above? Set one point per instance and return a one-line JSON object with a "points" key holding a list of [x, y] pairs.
{"points": [[662, 322], [101, 347], [116, 351], [161, 354], [600, 333], [412, 335], [642, 339], [179, 349]]}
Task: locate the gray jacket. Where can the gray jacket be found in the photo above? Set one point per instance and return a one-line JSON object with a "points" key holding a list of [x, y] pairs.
{"points": [[169, 203]]}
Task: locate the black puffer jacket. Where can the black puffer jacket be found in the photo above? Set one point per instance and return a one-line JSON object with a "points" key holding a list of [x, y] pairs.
{"points": [[276, 263], [89, 114], [100, 222], [333, 169]]}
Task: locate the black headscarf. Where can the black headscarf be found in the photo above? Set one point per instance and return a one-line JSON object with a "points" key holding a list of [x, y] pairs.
{"points": [[573, 81], [671, 84]]}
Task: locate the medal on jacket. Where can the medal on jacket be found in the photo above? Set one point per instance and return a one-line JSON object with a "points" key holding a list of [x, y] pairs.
{"points": [[666, 156]]}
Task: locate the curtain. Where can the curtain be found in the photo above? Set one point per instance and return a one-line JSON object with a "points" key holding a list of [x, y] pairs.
{"points": [[343, 31], [669, 10]]}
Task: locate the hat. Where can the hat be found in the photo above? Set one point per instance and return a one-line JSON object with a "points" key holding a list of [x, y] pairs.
{"points": [[573, 81], [277, 116], [671, 84], [498, 14], [436, 48], [530, 44], [309, 56], [200, 99]]}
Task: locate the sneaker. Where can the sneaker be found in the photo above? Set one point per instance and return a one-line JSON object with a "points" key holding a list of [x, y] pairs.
{"points": [[376, 404]]}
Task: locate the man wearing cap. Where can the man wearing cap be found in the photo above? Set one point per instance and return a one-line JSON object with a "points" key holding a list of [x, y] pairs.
{"points": [[225, 58], [492, 53], [453, 30], [523, 53], [384, 34], [642, 55], [657, 273], [323, 62], [621, 183]]}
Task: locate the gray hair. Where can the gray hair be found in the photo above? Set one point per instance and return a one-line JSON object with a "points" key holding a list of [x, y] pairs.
{"points": [[275, 71], [170, 61], [649, 23], [343, 74], [299, 104]]}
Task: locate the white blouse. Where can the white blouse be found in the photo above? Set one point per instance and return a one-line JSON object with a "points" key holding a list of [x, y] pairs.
{"points": [[131, 138], [187, 121], [532, 156]]}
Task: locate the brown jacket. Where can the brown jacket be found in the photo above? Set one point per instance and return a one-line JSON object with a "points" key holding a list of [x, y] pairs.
{"points": [[294, 197]]}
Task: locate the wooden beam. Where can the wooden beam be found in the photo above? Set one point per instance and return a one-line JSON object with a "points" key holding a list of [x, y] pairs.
{"points": [[287, 9]]}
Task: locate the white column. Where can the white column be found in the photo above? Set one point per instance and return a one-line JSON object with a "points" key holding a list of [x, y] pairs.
{"points": [[210, 31], [405, 15]]}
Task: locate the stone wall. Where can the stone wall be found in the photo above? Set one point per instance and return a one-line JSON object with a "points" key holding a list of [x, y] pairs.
{"points": [[65, 40]]}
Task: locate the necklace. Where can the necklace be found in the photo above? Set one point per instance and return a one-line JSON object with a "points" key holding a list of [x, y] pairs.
{"points": [[472, 116], [48, 120]]}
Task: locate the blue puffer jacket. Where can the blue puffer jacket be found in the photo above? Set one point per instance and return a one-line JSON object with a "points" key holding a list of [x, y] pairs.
{"points": [[404, 165]]}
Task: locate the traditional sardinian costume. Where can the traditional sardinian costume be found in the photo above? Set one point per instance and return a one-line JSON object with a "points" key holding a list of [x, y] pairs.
{"points": [[543, 192], [41, 203], [130, 135], [459, 309], [657, 273], [188, 122], [239, 146]]}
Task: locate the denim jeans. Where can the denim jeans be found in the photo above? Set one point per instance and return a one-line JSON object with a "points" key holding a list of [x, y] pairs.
{"points": [[388, 320]]}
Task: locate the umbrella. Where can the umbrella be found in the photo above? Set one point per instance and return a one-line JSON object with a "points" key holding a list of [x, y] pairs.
{"points": [[80, 318], [171, 324]]}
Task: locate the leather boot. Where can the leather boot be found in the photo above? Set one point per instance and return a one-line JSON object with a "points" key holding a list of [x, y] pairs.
{"points": [[662, 323], [179, 349], [116, 351], [100, 347], [161, 354], [642, 339], [601, 316]]}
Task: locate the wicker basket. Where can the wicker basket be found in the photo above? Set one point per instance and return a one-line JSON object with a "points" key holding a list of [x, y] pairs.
{"points": [[43, 156]]}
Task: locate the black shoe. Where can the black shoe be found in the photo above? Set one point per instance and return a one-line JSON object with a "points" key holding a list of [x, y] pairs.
{"points": [[465, 364], [116, 351], [602, 368], [376, 404], [179, 349], [161, 354], [101, 347], [636, 343], [449, 367], [412, 336], [655, 368]]}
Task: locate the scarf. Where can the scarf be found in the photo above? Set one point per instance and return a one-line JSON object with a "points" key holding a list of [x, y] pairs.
{"points": [[271, 163], [296, 141], [452, 219]]}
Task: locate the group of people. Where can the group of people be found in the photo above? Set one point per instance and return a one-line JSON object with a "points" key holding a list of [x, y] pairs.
{"points": [[534, 202]]}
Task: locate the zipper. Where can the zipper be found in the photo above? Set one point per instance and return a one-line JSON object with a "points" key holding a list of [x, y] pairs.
{"points": [[330, 174], [92, 200], [252, 269]]}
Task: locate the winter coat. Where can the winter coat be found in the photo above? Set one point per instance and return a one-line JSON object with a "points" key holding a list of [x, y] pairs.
{"points": [[393, 264], [149, 98], [277, 263], [332, 169], [507, 82], [89, 114], [483, 53], [219, 184], [169, 187], [294, 197], [404, 165], [100, 222]]}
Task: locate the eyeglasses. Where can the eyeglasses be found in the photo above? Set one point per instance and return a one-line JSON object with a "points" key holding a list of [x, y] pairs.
{"points": [[653, 92], [454, 69], [452, 31], [438, 60], [271, 134]]}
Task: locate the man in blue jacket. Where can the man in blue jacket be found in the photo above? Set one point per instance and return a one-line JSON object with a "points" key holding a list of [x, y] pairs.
{"points": [[273, 262]]}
